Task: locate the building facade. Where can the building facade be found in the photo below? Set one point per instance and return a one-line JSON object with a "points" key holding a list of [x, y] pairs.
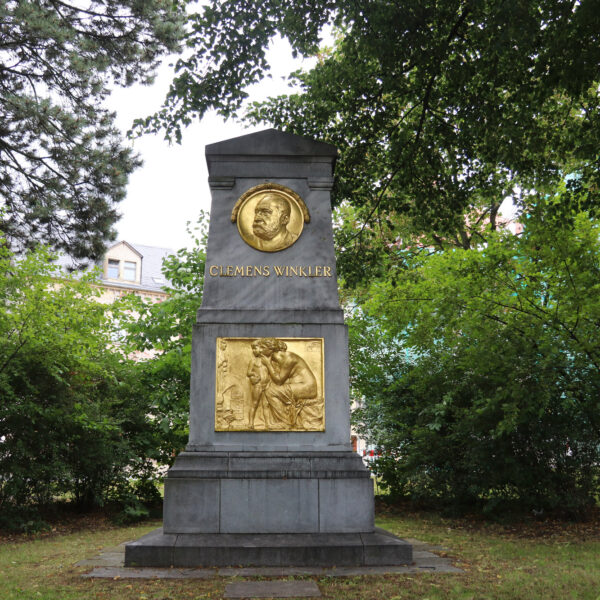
{"points": [[133, 268]]}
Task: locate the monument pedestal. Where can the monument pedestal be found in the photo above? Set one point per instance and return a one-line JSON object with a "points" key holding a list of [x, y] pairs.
{"points": [[268, 492], [268, 477]]}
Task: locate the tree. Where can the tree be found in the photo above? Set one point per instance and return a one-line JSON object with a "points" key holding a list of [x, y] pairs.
{"points": [[483, 388], [440, 110], [165, 328], [485, 344], [74, 417], [63, 165]]}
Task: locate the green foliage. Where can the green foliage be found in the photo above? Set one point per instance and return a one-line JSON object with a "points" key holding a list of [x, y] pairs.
{"points": [[73, 414], [483, 388], [439, 110], [476, 352], [63, 165], [166, 330]]}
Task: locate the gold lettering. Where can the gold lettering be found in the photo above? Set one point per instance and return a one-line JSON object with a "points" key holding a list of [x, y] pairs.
{"points": [[257, 270], [327, 271], [266, 270], [303, 273], [279, 270], [249, 271], [216, 268], [293, 271], [229, 271], [318, 271], [238, 271]]}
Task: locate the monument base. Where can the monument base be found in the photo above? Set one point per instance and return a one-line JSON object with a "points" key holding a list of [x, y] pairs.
{"points": [[268, 492], [158, 549], [268, 509]]}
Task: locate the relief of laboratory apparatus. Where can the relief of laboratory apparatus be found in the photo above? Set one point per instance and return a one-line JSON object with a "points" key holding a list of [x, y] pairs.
{"points": [[270, 384]]}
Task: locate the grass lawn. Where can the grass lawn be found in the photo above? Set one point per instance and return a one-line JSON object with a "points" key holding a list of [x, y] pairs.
{"points": [[546, 560]]}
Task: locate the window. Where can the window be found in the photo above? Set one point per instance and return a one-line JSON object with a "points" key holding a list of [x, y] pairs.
{"points": [[113, 269], [129, 271]]}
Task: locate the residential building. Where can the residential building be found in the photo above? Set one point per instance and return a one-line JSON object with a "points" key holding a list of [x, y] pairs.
{"points": [[129, 268]]}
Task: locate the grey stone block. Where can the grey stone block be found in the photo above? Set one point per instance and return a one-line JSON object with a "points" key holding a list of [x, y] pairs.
{"points": [[280, 462], [154, 549], [269, 506], [191, 505], [269, 143], [267, 550], [346, 505], [150, 573], [268, 492], [187, 462], [272, 589], [284, 317], [383, 548]]}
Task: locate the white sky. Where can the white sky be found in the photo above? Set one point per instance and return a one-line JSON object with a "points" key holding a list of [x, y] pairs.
{"points": [[171, 187]]}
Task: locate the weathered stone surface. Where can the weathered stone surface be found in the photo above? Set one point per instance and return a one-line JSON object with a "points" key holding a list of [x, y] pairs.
{"points": [[192, 505], [203, 436], [284, 317], [149, 573], [272, 589], [269, 505], [286, 464], [154, 549], [424, 561], [345, 505], [268, 492], [271, 550], [382, 548], [269, 143]]}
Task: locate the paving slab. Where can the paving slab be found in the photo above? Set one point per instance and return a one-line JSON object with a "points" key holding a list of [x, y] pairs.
{"points": [[102, 561], [272, 589], [149, 573]]}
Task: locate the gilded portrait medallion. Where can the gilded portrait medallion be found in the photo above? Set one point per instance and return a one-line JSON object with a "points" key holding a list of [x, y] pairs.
{"points": [[270, 217], [270, 384]]}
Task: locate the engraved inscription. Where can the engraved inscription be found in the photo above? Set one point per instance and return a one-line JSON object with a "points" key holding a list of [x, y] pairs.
{"points": [[270, 270], [270, 384]]}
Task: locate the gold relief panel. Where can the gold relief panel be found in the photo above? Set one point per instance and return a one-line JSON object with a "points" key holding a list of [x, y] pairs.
{"points": [[270, 384], [270, 217]]}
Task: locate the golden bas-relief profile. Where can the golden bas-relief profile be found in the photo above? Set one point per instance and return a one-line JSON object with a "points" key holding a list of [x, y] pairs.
{"points": [[270, 217], [270, 384]]}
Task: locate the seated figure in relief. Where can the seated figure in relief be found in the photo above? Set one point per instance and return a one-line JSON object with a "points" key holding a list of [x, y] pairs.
{"points": [[291, 394]]}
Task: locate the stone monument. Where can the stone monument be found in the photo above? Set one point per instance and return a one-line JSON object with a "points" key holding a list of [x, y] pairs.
{"points": [[269, 477]]}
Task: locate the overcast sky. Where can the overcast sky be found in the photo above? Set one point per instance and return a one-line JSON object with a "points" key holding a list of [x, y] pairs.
{"points": [[171, 187]]}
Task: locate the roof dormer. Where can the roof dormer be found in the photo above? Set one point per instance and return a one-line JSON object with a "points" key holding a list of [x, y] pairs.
{"points": [[123, 263]]}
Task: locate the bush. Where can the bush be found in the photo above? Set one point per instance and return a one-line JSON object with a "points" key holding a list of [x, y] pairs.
{"points": [[74, 419], [480, 373]]}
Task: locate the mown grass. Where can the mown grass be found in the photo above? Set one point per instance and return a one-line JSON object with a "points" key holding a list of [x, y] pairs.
{"points": [[547, 560]]}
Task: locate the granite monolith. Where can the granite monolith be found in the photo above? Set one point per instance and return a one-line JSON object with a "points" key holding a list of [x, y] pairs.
{"points": [[277, 484]]}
